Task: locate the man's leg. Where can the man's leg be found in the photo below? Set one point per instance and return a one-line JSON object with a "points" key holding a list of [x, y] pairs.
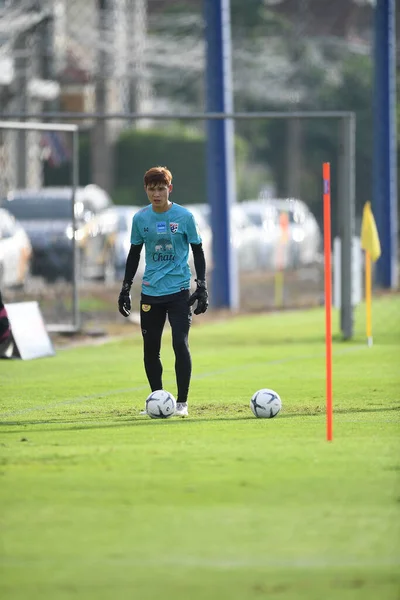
{"points": [[152, 321], [180, 318]]}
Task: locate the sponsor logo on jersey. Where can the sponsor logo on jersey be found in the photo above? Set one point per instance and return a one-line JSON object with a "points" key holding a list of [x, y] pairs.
{"points": [[164, 245], [157, 257], [146, 307], [174, 227], [162, 227], [163, 250]]}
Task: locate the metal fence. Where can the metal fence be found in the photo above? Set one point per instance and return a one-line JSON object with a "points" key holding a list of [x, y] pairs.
{"points": [[51, 232], [278, 267], [112, 66]]}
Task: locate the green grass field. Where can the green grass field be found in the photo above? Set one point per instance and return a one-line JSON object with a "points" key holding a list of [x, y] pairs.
{"points": [[100, 503]]}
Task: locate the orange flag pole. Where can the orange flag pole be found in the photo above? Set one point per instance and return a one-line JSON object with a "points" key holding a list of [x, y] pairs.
{"points": [[326, 175]]}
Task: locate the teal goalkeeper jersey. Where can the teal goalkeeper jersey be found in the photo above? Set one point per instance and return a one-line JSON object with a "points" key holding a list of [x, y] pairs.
{"points": [[166, 237]]}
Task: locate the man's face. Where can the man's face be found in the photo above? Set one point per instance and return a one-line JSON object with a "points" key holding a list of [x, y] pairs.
{"points": [[158, 195]]}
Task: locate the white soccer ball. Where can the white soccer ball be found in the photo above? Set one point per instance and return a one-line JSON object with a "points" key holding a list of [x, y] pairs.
{"points": [[160, 404], [265, 404]]}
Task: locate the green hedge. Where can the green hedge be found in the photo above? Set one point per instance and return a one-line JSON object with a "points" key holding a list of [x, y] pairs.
{"points": [[183, 152], [182, 149], [62, 175]]}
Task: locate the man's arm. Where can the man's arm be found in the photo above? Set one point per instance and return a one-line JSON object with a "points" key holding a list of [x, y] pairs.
{"points": [[199, 261], [132, 263], [201, 294]]}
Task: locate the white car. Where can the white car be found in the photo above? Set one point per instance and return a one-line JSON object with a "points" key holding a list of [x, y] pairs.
{"points": [[264, 220], [200, 213], [122, 217], [15, 252], [46, 216], [305, 234], [300, 244], [248, 240], [252, 244]]}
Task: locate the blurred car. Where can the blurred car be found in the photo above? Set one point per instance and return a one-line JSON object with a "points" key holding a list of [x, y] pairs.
{"points": [[305, 234], [200, 213], [121, 219], [291, 232], [98, 243], [15, 252], [265, 233], [245, 235], [257, 239], [46, 215]]}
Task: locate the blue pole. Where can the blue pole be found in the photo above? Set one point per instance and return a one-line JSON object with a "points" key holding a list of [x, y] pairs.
{"points": [[220, 161], [385, 142]]}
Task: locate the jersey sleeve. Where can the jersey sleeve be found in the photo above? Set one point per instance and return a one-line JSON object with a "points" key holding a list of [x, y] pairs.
{"points": [[193, 234], [136, 235]]}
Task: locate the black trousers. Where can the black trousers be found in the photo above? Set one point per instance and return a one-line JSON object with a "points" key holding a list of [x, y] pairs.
{"points": [[153, 314]]}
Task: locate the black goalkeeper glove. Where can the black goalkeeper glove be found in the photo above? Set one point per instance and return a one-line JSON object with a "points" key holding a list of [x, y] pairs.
{"points": [[124, 300], [201, 295]]}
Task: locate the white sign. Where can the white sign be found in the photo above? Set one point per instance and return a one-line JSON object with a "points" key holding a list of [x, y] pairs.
{"points": [[28, 330]]}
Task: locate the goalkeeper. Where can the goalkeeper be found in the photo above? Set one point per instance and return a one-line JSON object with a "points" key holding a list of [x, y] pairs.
{"points": [[167, 230]]}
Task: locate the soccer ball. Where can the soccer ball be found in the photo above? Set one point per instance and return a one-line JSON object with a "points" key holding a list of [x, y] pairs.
{"points": [[160, 404], [265, 404]]}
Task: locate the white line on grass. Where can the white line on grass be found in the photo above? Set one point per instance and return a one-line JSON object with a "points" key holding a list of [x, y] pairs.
{"points": [[300, 563], [109, 393], [196, 562]]}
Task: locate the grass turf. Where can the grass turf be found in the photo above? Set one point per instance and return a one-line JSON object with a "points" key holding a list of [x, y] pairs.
{"points": [[100, 503]]}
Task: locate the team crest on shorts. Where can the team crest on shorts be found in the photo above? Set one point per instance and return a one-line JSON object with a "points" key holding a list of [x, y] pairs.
{"points": [[146, 307], [174, 227]]}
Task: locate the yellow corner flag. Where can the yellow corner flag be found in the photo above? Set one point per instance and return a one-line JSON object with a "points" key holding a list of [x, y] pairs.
{"points": [[369, 233], [371, 244]]}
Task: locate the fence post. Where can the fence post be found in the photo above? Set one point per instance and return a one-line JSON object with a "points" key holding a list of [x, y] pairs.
{"points": [[346, 213], [221, 179]]}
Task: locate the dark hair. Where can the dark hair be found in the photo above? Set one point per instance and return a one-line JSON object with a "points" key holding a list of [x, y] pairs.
{"points": [[157, 175]]}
